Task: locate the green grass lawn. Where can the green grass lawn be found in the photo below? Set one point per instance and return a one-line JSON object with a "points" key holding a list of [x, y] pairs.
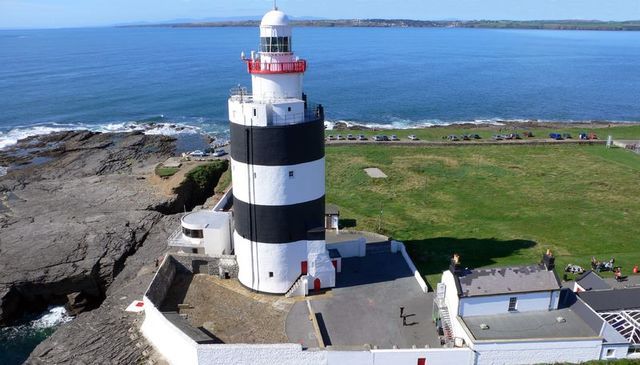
{"points": [[631, 131], [494, 205]]}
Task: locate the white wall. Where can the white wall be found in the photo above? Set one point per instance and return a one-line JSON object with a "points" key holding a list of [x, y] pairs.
{"points": [[540, 352], [280, 114], [356, 248], [242, 113], [176, 347], [272, 186], [267, 87], [499, 304], [282, 354], [254, 265], [217, 237]]}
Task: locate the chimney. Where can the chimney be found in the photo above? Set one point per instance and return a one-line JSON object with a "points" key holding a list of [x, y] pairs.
{"points": [[549, 261], [454, 267]]}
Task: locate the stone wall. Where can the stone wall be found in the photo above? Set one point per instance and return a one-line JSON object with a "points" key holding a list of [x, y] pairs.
{"points": [[225, 266], [162, 281]]}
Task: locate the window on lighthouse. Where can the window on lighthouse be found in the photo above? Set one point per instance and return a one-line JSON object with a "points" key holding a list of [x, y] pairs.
{"points": [[275, 44]]}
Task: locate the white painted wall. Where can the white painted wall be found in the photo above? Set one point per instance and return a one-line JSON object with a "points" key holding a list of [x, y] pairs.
{"points": [[270, 87], [217, 237], [282, 354], [273, 186], [403, 250], [280, 114], [176, 347], [537, 352], [356, 248], [254, 265], [432, 356], [242, 113], [499, 304]]}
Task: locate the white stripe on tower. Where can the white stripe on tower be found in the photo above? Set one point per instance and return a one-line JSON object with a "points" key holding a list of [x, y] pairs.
{"points": [[278, 185]]}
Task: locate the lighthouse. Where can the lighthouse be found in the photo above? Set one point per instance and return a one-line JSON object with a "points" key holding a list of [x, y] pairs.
{"points": [[278, 170]]}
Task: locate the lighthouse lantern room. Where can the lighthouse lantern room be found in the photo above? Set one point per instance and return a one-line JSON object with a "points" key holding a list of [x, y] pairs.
{"points": [[278, 169]]}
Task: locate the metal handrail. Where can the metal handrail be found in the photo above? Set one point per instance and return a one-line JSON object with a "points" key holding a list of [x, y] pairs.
{"points": [[259, 67]]}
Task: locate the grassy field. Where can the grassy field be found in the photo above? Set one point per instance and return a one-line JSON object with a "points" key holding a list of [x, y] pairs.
{"points": [[540, 132], [495, 205]]}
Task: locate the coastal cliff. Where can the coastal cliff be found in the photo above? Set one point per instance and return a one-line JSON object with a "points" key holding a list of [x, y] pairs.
{"points": [[82, 225]]}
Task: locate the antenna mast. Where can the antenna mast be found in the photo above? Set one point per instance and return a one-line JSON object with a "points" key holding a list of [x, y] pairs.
{"points": [[275, 4]]}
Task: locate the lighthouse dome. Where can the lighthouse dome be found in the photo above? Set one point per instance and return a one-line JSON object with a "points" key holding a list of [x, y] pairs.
{"points": [[275, 18]]}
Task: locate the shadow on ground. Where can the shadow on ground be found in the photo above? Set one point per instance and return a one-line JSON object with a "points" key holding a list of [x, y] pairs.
{"points": [[177, 292], [374, 268], [432, 255]]}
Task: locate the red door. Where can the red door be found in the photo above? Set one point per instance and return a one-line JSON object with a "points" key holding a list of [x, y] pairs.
{"points": [[422, 361], [304, 268], [316, 285], [335, 264]]}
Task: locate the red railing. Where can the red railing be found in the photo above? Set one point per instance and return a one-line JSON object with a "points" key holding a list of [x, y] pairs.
{"points": [[258, 67]]}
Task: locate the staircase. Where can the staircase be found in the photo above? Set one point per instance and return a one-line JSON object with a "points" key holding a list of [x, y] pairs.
{"points": [[445, 320], [291, 292]]}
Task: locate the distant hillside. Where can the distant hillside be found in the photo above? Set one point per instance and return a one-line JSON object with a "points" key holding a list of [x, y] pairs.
{"points": [[407, 23]]}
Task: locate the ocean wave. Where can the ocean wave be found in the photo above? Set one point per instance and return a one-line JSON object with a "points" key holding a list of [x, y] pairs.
{"points": [[396, 123], [152, 128]]}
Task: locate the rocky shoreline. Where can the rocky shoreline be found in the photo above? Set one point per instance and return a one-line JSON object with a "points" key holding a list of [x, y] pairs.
{"points": [[81, 225]]}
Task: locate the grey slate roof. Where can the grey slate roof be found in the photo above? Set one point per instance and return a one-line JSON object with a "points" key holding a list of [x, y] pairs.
{"points": [[592, 281], [331, 209], [529, 325], [524, 279], [612, 300]]}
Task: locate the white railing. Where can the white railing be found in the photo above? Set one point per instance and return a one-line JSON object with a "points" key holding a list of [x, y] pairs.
{"points": [[177, 239]]}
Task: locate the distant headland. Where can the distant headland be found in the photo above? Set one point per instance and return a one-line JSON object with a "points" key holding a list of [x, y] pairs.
{"points": [[632, 25]]}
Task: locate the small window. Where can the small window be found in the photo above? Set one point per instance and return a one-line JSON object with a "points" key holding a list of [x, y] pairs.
{"points": [[270, 274], [255, 112], [611, 352], [513, 304], [195, 250], [289, 108], [291, 174]]}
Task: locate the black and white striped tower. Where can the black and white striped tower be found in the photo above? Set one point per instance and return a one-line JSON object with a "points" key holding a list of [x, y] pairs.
{"points": [[278, 169]]}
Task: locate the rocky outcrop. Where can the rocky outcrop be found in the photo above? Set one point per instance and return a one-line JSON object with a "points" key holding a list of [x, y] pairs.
{"points": [[71, 214]]}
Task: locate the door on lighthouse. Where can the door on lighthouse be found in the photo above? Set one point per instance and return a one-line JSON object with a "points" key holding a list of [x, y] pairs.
{"points": [[316, 285], [303, 267]]}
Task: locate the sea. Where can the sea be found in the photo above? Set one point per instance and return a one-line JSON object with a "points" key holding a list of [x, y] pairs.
{"points": [[176, 81]]}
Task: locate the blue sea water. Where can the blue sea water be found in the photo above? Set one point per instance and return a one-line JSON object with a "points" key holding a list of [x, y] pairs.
{"points": [[110, 78], [113, 79]]}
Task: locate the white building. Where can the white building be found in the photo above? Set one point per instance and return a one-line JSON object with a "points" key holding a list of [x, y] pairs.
{"points": [[202, 232], [515, 316], [278, 170]]}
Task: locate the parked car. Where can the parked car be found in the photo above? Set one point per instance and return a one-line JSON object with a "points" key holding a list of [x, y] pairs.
{"points": [[219, 153], [465, 137], [556, 136], [377, 138], [385, 138], [528, 134], [413, 137], [362, 137], [350, 137], [475, 136], [331, 137], [197, 153], [394, 137], [339, 137], [453, 138], [566, 136], [497, 137]]}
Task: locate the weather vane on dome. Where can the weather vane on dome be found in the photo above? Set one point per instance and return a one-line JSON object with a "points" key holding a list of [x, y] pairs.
{"points": [[275, 4]]}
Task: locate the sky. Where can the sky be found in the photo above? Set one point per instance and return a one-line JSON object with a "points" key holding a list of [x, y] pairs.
{"points": [[80, 13]]}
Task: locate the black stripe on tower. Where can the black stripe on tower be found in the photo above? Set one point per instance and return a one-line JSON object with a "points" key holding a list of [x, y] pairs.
{"points": [[280, 224], [278, 145]]}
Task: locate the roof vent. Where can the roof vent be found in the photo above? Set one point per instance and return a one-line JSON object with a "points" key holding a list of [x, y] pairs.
{"points": [[560, 319], [484, 326]]}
